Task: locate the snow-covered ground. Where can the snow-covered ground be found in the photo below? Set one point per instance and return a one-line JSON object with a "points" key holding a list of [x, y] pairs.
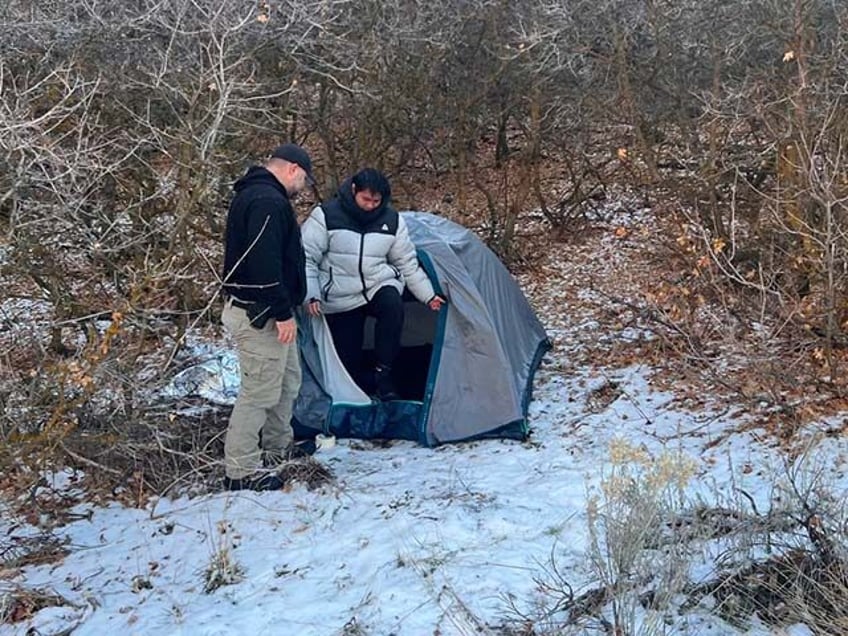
{"points": [[455, 540], [409, 540]]}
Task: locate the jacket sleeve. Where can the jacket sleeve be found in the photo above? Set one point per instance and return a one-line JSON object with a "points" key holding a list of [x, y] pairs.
{"points": [[403, 256], [315, 245], [266, 237]]}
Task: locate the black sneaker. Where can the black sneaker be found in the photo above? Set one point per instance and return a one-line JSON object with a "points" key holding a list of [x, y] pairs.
{"points": [[299, 450], [385, 386], [274, 459], [258, 482]]}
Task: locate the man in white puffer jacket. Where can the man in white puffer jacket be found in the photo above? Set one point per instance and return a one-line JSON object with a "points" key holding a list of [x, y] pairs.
{"points": [[358, 259]]}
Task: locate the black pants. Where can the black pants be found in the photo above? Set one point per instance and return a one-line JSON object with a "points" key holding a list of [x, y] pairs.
{"points": [[348, 330]]}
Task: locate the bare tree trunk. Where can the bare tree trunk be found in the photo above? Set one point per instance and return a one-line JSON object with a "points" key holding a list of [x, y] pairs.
{"points": [[631, 107]]}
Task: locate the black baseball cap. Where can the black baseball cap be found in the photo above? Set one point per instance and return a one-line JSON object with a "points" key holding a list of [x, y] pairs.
{"points": [[295, 154]]}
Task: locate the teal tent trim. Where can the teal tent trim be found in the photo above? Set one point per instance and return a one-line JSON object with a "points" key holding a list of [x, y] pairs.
{"points": [[377, 420], [436, 355], [544, 346]]}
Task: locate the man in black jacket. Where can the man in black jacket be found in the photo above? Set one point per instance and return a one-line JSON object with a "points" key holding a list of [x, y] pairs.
{"points": [[264, 279]]}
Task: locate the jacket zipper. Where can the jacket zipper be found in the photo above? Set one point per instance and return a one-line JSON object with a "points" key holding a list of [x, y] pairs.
{"points": [[326, 290], [361, 272]]}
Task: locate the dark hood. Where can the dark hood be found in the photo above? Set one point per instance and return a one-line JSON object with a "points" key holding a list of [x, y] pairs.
{"points": [[259, 175], [348, 203]]}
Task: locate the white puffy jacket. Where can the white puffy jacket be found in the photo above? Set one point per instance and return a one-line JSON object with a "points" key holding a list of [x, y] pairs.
{"points": [[348, 260]]}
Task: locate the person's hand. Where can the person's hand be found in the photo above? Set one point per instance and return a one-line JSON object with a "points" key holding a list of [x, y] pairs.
{"points": [[313, 307], [286, 331], [436, 302]]}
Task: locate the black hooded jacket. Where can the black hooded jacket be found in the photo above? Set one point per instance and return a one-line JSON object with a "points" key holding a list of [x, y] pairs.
{"points": [[263, 254]]}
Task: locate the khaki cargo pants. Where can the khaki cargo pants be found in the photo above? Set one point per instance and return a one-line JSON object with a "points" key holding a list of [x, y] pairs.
{"points": [[270, 382]]}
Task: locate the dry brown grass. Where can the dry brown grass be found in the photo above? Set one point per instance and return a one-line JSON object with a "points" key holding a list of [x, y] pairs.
{"points": [[19, 603]]}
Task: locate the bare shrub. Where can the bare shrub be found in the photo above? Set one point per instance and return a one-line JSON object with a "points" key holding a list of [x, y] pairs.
{"points": [[791, 566], [636, 568], [115, 148], [222, 569], [773, 209], [783, 566]]}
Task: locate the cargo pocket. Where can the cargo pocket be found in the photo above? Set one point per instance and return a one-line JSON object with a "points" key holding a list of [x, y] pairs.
{"points": [[261, 380]]}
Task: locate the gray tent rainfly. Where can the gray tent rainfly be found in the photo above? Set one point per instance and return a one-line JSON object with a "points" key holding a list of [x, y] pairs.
{"points": [[464, 372]]}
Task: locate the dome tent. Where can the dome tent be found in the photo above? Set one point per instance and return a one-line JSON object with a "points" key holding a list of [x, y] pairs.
{"points": [[464, 372]]}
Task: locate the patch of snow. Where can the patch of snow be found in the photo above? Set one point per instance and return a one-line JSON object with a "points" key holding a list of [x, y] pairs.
{"points": [[215, 379]]}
